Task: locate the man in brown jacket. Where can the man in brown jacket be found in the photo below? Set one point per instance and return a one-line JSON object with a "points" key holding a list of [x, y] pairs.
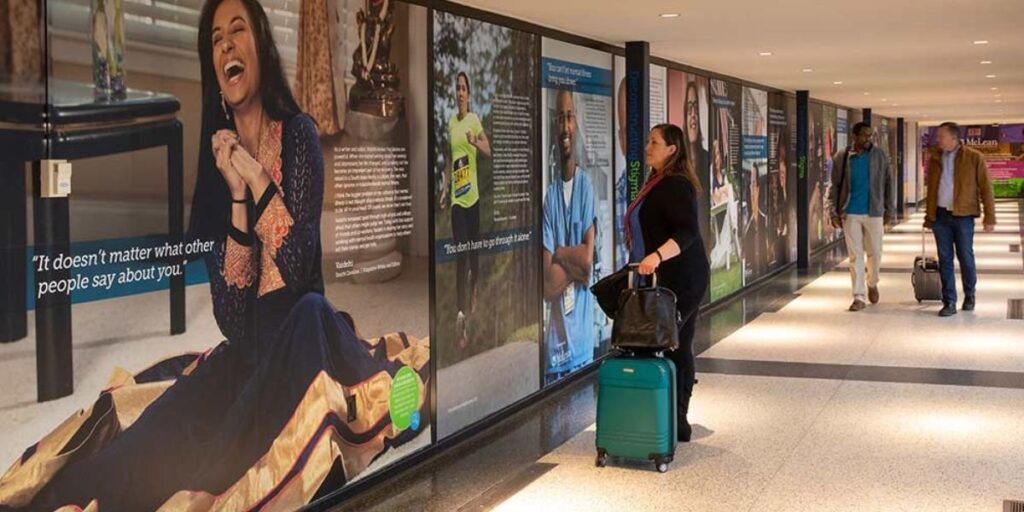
{"points": [[958, 187]]}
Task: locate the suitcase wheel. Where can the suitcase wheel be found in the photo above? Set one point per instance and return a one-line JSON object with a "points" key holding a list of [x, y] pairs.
{"points": [[602, 458], [661, 464]]}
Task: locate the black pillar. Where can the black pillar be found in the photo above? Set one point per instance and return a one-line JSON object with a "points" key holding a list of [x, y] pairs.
{"points": [[638, 114], [901, 167], [53, 310], [803, 249], [867, 116], [176, 224], [13, 236]]}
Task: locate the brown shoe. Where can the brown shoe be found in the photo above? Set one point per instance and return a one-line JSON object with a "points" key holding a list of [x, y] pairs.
{"points": [[873, 294], [857, 305]]}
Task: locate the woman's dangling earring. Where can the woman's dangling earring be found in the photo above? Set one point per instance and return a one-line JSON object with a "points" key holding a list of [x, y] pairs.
{"points": [[224, 107]]}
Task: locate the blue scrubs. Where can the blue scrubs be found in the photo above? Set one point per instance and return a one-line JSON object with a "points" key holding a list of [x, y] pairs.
{"points": [[570, 337]]}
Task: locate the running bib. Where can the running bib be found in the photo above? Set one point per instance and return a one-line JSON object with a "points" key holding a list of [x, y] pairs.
{"points": [[462, 178]]}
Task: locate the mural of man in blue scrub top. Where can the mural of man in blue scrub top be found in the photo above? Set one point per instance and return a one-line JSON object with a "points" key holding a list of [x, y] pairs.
{"points": [[570, 225]]}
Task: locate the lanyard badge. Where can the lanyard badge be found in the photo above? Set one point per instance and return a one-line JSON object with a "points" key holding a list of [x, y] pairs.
{"points": [[569, 295]]}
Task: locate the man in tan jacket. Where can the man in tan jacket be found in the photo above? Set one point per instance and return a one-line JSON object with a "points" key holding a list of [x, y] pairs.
{"points": [[958, 187]]}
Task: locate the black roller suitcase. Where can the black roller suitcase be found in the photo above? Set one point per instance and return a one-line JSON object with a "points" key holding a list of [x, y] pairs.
{"points": [[926, 279]]}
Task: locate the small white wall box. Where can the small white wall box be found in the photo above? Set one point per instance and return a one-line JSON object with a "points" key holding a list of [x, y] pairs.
{"points": [[55, 178]]}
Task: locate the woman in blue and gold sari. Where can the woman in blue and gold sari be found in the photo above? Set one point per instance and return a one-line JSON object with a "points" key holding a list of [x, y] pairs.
{"points": [[292, 403]]}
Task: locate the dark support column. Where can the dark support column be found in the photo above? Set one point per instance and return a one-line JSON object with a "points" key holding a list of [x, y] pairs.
{"points": [[53, 310], [13, 237], [176, 223], [867, 116], [901, 168], [638, 114], [803, 201]]}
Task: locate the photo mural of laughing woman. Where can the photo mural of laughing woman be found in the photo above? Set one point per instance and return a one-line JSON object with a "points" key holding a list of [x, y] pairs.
{"points": [[293, 402]]}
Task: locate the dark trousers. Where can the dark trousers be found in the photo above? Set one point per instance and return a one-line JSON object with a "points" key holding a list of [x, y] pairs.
{"points": [[955, 234], [466, 228], [683, 357]]}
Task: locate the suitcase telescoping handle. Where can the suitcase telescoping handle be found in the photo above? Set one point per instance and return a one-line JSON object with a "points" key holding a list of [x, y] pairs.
{"points": [[634, 270]]}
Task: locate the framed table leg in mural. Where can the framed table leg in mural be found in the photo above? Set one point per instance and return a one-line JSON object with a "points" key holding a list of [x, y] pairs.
{"points": [[86, 127]]}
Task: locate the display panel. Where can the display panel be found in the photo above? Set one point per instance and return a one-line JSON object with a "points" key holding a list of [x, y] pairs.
{"points": [[688, 109], [829, 138], [577, 222], [659, 95], [487, 233], [792, 176], [816, 218], [726, 190], [658, 104], [780, 199], [289, 138], [756, 239], [1003, 148], [886, 139]]}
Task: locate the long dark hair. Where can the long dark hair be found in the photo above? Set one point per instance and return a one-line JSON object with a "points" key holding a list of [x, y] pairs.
{"points": [[211, 203], [692, 86], [464, 76], [680, 163], [469, 93]]}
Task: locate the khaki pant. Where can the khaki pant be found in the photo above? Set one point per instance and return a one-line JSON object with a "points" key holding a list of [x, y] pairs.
{"points": [[863, 239]]}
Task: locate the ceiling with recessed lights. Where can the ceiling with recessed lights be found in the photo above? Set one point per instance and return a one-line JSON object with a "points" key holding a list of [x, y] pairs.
{"points": [[915, 59]]}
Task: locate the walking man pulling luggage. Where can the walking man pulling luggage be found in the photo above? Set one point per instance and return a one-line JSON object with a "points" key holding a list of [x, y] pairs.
{"points": [[861, 199], [958, 187]]}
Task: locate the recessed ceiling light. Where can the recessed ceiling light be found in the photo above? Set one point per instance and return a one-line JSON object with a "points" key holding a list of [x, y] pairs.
{"points": [[981, 41], [986, 62], [808, 70], [837, 82], [990, 76], [995, 88], [885, 99], [867, 94], [670, 15], [765, 54]]}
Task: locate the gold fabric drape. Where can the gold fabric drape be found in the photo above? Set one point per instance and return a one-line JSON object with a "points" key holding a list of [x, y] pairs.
{"points": [[314, 82], [285, 478], [21, 49]]}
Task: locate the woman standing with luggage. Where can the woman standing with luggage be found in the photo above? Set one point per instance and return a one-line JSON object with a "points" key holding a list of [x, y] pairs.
{"points": [[663, 235]]}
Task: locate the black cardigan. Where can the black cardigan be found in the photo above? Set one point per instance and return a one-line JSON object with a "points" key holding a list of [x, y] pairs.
{"points": [[670, 212]]}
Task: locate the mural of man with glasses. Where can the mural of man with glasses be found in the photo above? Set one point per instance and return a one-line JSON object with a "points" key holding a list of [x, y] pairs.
{"points": [[570, 226]]}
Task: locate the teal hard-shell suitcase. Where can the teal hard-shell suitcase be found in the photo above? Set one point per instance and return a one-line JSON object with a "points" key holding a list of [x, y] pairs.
{"points": [[636, 410]]}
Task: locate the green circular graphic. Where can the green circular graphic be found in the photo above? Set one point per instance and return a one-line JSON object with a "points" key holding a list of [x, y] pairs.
{"points": [[405, 398]]}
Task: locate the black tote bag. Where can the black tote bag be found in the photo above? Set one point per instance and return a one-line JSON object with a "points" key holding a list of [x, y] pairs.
{"points": [[647, 318], [609, 290]]}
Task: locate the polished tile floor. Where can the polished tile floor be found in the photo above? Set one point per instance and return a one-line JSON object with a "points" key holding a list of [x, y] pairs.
{"points": [[801, 406]]}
